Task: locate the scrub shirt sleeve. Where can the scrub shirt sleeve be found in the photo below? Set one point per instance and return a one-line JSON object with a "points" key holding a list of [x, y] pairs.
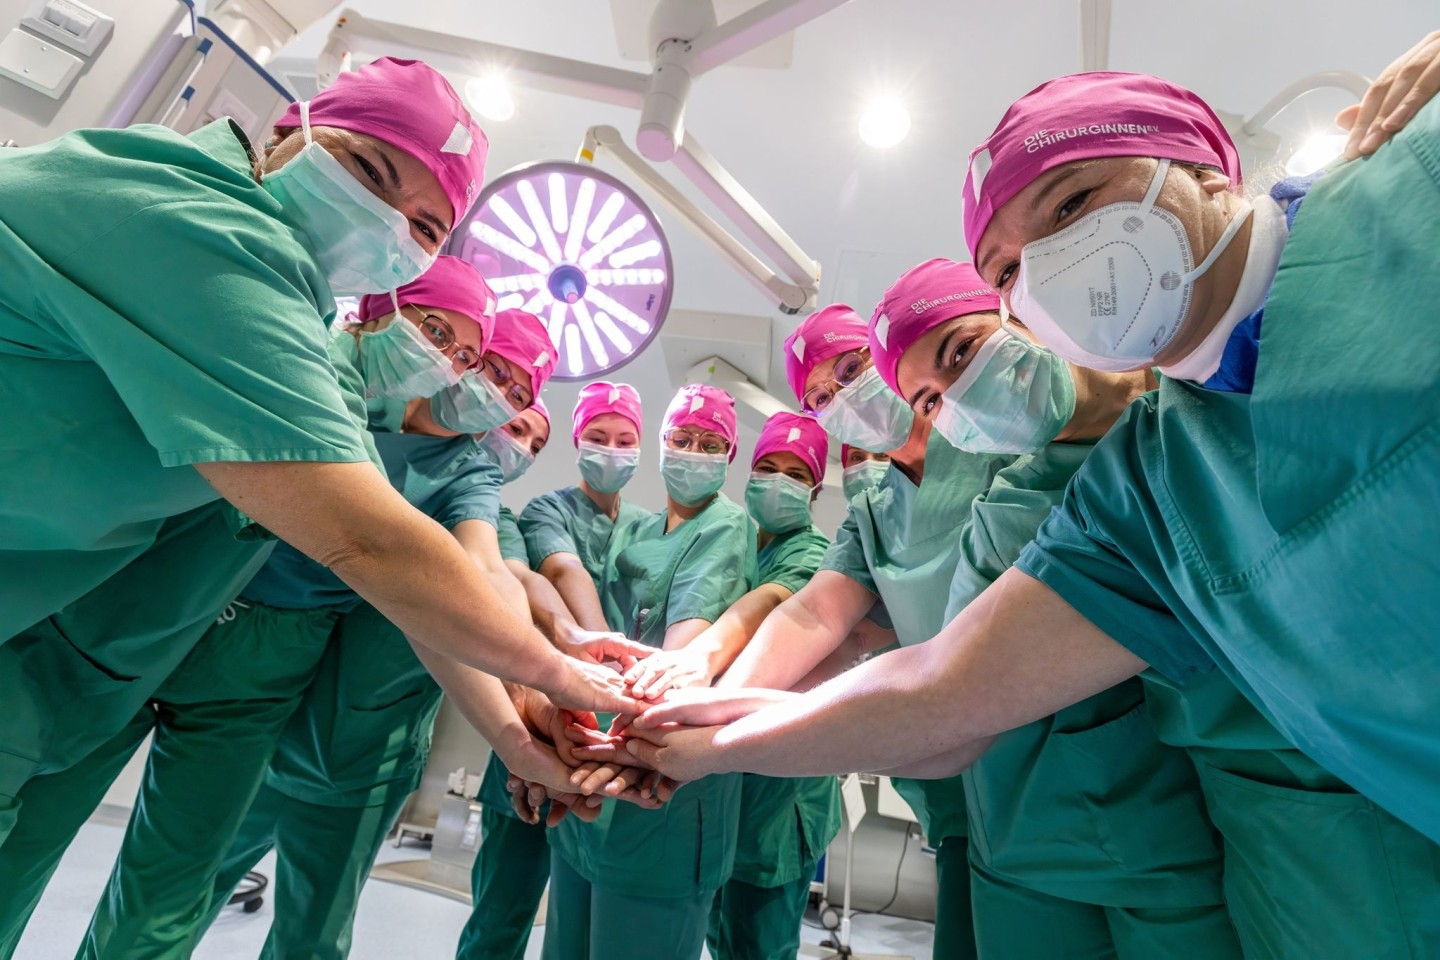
{"points": [[847, 554], [715, 571], [545, 524], [512, 544], [206, 318], [473, 493], [1075, 554], [796, 560]]}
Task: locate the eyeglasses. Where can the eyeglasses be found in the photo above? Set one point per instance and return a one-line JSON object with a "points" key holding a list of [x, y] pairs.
{"points": [[439, 332], [697, 441], [847, 369], [498, 371]]}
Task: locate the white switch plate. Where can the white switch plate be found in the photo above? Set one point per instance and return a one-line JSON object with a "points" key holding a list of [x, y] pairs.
{"points": [[39, 64], [71, 24]]}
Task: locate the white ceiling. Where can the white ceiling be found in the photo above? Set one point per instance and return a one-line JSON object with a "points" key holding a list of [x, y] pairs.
{"points": [[865, 214]]}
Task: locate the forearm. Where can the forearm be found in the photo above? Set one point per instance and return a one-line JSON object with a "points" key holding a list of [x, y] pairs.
{"points": [[577, 591], [1016, 654], [787, 646], [732, 632], [547, 609], [942, 765], [481, 699], [398, 559]]}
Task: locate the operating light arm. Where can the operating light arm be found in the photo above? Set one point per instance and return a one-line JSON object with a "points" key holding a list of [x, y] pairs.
{"points": [[753, 28], [1342, 79], [355, 35], [791, 297]]}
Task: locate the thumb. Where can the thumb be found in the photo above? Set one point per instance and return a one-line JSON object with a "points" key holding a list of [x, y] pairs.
{"points": [[647, 753]]}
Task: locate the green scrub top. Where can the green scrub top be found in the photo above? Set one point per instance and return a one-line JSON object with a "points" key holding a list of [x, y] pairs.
{"points": [[156, 313], [1289, 537], [901, 542], [567, 521], [512, 542], [1086, 804], [365, 722], [770, 851], [658, 579]]}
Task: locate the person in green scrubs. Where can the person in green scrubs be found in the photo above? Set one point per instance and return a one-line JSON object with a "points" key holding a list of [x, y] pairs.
{"points": [[861, 469], [1270, 802], [1287, 446], [218, 718], [785, 824], [137, 419], [640, 882], [568, 533], [356, 748]]}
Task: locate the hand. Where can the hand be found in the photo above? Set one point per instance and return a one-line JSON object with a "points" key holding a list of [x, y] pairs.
{"points": [[707, 706], [622, 782], [681, 753], [582, 685], [596, 647], [668, 670], [528, 799], [1393, 99]]}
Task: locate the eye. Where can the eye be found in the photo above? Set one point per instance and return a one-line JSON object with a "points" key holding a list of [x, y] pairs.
{"points": [[764, 468], [962, 350], [518, 400], [426, 230], [849, 370], [821, 400], [925, 406], [465, 358], [713, 448], [367, 168], [1005, 275], [1072, 205]]}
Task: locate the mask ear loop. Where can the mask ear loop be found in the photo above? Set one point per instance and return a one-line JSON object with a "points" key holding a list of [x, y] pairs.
{"points": [[1231, 228], [305, 122], [1156, 182]]}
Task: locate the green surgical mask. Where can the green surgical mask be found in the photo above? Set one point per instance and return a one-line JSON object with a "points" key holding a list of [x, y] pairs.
{"points": [[693, 478], [607, 469], [777, 502], [398, 362], [867, 414], [474, 405], [861, 476], [510, 455], [1014, 397]]}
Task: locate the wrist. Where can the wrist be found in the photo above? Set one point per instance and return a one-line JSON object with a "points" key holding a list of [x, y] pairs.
{"points": [[549, 673]]}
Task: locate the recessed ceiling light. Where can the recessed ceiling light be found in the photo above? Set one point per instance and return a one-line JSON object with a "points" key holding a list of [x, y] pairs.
{"points": [[884, 122]]}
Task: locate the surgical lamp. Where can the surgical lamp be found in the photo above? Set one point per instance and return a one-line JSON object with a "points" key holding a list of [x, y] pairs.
{"points": [[577, 248], [1298, 156]]}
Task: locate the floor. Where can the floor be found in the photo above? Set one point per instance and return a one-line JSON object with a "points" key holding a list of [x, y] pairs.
{"points": [[394, 921]]}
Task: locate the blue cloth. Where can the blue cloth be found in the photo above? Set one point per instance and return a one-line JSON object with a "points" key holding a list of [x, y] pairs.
{"points": [[1237, 364]]}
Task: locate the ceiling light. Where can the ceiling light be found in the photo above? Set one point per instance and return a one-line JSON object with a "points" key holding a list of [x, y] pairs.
{"points": [[577, 248], [490, 97], [1314, 153], [885, 122]]}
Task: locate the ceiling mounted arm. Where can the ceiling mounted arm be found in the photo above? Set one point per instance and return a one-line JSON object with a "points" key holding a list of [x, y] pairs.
{"points": [[753, 28], [790, 297]]}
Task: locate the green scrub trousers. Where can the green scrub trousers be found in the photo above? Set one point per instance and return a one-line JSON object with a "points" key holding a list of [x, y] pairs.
{"points": [[589, 922], [216, 722], [508, 879]]}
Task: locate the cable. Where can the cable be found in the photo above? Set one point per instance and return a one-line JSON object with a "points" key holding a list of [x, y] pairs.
{"points": [[899, 866]]}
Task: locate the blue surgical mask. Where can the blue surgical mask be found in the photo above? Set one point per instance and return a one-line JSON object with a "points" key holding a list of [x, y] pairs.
{"points": [[361, 243], [777, 502], [399, 363], [859, 477], [510, 455], [693, 478], [867, 414], [1014, 397], [607, 469], [474, 405]]}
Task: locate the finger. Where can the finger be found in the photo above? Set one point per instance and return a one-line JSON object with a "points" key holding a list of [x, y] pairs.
{"points": [[601, 777], [646, 753], [558, 812], [666, 788], [600, 753], [1345, 119], [624, 780], [1369, 108], [1425, 88]]}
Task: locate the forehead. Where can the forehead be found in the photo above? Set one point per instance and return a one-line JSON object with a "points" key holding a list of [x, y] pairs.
{"points": [[533, 423], [417, 179], [612, 422]]}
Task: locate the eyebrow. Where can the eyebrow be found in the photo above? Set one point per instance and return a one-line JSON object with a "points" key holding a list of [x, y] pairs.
{"points": [[941, 352], [1035, 204]]}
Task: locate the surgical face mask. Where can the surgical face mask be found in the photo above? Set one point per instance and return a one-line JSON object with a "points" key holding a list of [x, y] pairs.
{"points": [[777, 502], [362, 244], [510, 455], [400, 363], [1111, 290], [867, 414], [607, 469], [474, 405], [1014, 397], [693, 478], [861, 476]]}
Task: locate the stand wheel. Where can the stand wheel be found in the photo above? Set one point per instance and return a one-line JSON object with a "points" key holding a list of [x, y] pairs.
{"points": [[250, 906], [250, 893], [829, 917]]}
